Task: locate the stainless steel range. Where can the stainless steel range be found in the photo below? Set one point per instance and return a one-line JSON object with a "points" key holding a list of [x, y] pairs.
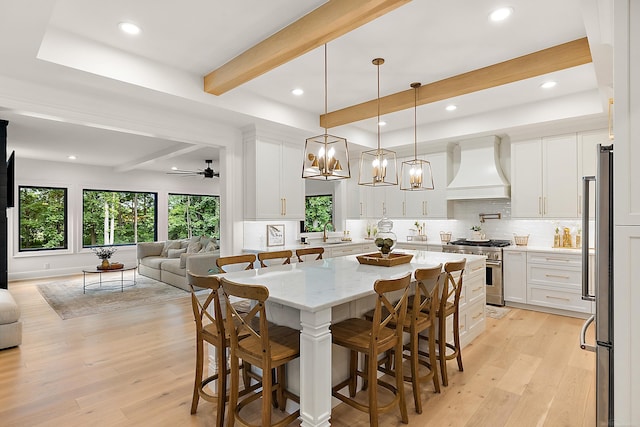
{"points": [[492, 249]]}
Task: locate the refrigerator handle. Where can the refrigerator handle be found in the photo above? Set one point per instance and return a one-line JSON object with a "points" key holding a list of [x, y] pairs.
{"points": [[583, 335], [586, 180]]}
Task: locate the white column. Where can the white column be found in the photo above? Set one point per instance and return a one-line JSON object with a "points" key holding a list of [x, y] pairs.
{"points": [[315, 368]]}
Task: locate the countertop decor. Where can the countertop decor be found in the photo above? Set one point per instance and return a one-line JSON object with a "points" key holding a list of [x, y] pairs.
{"points": [[378, 259]]}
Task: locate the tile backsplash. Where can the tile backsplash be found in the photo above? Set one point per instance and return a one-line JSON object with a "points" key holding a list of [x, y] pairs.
{"points": [[466, 214]]}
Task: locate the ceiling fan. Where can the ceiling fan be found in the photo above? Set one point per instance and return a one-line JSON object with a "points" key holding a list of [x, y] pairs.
{"points": [[206, 173]]}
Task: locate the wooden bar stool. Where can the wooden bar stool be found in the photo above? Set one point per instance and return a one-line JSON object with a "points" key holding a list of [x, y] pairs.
{"points": [[240, 262], [449, 305], [373, 338], [421, 316], [210, 328], [266, 346], [285, 256], [301, 253]]}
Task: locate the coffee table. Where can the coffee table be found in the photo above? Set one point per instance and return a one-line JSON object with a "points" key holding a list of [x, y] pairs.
{"points": [[100, 272]]}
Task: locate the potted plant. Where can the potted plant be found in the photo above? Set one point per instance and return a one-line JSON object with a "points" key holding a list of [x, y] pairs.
{"points": [[477, 233], [104, 253]]}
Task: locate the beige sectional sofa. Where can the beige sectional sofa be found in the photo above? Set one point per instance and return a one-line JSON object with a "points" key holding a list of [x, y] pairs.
{"points": [[169, 261]]}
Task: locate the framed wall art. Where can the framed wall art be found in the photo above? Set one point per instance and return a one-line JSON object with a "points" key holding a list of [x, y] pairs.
{"points": [[275, 235]]}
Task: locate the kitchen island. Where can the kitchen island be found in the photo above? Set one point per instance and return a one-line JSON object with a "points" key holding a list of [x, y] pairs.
{"points": [[310, 296]]}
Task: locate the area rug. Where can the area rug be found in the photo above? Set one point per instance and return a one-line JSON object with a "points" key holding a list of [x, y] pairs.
{"points": [[68, 300], [496, 312]]}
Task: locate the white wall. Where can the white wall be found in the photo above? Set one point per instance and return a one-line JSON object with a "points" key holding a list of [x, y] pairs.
{"points": [[76, 178]]}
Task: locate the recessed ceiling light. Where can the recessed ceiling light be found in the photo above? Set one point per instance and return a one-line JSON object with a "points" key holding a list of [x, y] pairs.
{"points": [[173, 168], [71, 157], [451, 107], [548, 85], [500, 14], [297, 91], [382, 123], [129, 28]]}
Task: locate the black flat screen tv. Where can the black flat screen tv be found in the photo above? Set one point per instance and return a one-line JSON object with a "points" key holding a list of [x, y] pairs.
{"points": [[11, 180]]}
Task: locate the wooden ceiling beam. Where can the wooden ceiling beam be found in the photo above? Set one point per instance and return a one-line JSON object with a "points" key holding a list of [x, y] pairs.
{"points": [[542, 62], [328, 22]]}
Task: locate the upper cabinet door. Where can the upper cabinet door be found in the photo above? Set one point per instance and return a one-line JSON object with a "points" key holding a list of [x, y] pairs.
{"points": [[431, 203], [560, 173], [526, 179], [291, 182]]}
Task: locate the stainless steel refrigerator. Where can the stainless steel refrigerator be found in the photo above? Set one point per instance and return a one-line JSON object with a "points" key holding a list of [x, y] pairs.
{"points": [[602, 289]]}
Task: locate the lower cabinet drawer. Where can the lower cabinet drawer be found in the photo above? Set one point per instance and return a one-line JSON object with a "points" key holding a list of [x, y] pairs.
{"points": [[568, 277], [561, 299], [475, 289], [475, 316]]}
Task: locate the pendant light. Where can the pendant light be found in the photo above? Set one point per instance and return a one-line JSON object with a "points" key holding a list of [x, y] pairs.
{"points": [[326, 157], [416, 174], [378, 167]]}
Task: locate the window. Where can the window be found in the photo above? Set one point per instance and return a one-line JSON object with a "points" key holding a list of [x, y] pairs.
{"points": [[193, 215], [318, 211], [42, 218], [118, 217]]}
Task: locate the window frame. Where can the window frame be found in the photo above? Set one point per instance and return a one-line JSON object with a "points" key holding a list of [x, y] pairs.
{"points": [[65, 222], [155, 216]]}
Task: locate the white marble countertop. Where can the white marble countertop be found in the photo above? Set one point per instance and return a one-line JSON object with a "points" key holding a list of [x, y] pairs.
{"points": [[333, 242], [548, 249], [317, 285]]}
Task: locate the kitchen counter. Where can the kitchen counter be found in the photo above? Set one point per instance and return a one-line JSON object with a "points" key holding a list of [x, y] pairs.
{"points": [[549, 249], [314, 243]]}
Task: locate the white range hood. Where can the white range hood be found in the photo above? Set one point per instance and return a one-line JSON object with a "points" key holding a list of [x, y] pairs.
{"points": [[480, 175]]}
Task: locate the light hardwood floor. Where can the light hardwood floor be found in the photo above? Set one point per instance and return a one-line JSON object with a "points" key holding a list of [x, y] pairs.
{"points": [[135, 368]]}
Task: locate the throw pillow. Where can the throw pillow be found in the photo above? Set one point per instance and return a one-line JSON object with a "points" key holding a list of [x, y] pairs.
{"points": [[211, 247], [193, 247], [204, 241], [175, 253], [169, 244]]}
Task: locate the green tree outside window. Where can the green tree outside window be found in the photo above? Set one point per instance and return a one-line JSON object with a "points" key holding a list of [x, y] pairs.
{"points": [[42, 218], [318, 211], [193, 215]]}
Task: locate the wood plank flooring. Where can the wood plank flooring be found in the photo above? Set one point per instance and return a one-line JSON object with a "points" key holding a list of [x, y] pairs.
{"points": [[135, 368]]}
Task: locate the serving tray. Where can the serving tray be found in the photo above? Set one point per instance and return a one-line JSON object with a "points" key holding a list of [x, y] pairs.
{"points": [[112, 266], [376, 259]]}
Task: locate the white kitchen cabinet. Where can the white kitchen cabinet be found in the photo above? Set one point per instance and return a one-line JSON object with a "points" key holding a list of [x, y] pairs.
{"points": [[430, 203], [390, 201], [274, 188], [587, 143], [555, 280], [544, 178], [514, 267]]}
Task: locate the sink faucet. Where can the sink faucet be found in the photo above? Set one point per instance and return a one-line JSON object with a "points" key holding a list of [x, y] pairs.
{"points": [[324, 233]]}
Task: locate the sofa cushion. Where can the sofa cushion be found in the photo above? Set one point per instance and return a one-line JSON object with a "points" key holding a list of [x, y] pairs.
{"points": [[169, 244], [173, 266], [175, 253], [153, 261]]}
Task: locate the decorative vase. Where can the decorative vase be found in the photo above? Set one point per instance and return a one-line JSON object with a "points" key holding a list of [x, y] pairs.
{"points": [[385, 239], [105, 264]]}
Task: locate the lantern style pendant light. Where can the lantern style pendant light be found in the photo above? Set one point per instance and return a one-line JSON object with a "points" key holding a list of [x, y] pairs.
{"points": [[326, 157], [416, 174], [378, 167]]}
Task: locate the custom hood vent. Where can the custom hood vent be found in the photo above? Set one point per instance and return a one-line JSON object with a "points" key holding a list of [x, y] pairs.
{"points": [[480, 175]]}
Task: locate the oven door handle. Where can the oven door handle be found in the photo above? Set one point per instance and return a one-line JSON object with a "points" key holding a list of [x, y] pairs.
{"points": [[493, 263]]}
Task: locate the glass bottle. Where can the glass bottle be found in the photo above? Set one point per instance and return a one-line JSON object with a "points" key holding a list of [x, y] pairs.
{"points": [[385, 239], [556, 239]]}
